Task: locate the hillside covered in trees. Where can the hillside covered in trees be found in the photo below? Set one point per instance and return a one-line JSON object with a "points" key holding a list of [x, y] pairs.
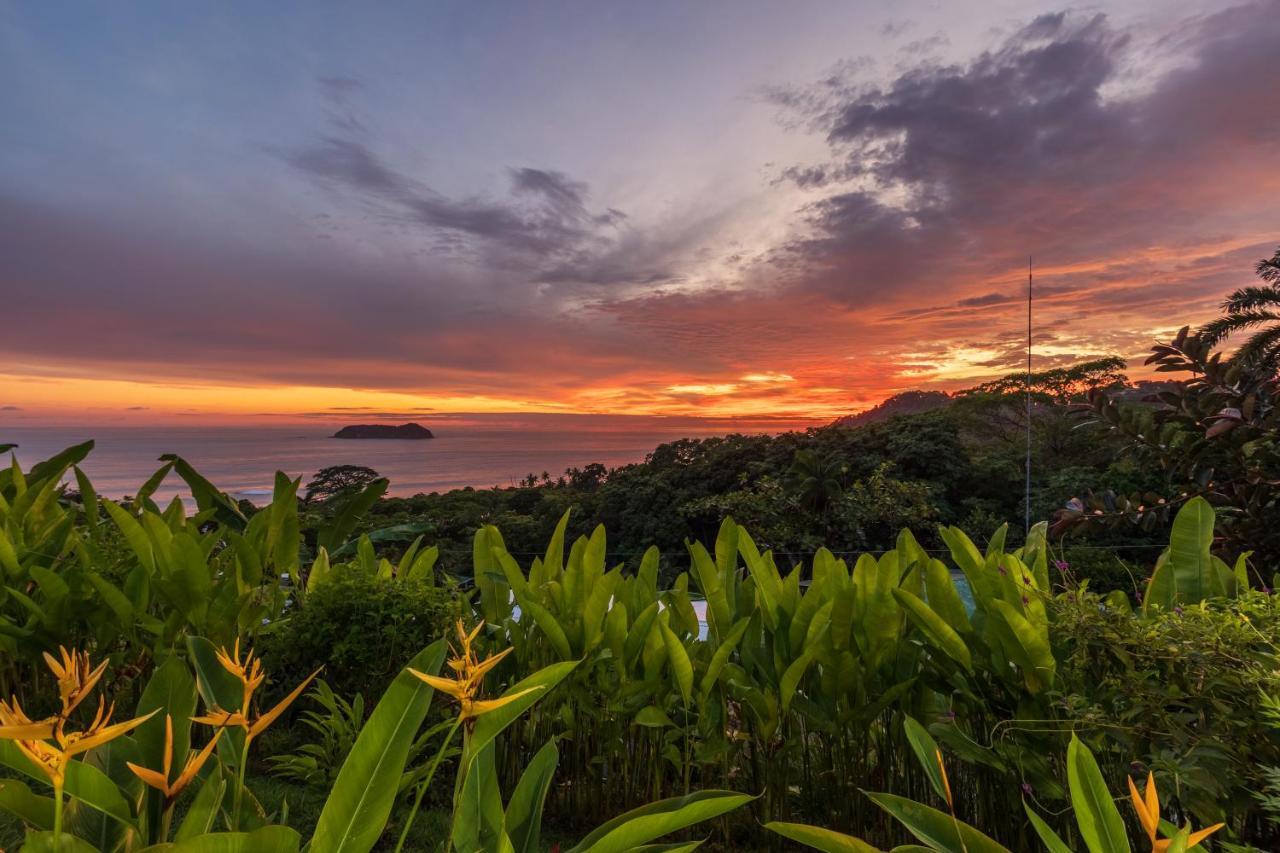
{"points": [[918, 460]]}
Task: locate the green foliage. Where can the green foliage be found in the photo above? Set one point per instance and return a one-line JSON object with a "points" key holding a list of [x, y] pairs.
{"points": [[364, 793], [1103, 570], [803, 683], [1059, 385], [338, 480], [362, 628], [1213, 435], [850, 486], [334, 728], [1181, 690]]}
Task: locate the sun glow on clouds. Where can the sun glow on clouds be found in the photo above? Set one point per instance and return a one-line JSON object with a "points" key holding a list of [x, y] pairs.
{"points": [[868, 238]]}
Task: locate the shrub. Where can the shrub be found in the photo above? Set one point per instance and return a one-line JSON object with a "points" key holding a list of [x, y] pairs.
{"points": [[333, 732], [1182, 690], [362, 629], [1104, 569]]}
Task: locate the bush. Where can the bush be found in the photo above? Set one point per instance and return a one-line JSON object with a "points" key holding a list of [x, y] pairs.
{"points": [[1104, 569], [1181, 691], [361, 629]]}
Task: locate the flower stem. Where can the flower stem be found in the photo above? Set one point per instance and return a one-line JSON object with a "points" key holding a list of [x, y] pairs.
{"points": [[422, 786], [244, 764], [57, 816], [166, 821]]}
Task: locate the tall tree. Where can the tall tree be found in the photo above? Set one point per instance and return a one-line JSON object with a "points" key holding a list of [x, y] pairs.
{"points": [[338, 480], [815, 479]]}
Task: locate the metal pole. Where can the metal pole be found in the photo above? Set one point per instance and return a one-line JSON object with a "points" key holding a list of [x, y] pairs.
{"points": [[1027, 511]]}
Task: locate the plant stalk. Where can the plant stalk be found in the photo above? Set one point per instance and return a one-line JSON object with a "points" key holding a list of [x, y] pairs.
{"points": [[425, 783]]}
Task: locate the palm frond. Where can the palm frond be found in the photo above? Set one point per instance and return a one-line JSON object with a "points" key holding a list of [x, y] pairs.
{"points": [[1268, 269], [1259, 347], [1251, 298], [1215, 330]]}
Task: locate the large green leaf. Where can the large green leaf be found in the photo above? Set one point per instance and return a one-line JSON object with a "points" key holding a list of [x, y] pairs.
{"points": [[84, 782], [30, 808], [944, 598], [336, 532], [219, 689], [1185, 573], [1032, 641], [203, 809], [1099, 820], [791, 678], [937, 829], [524, 810], [53, 466], [1051, 840], [673, 847], [818, 838], [172, 691], [360, 802], [941, 635], [133, 534], [547, 622], [681, 666], [208, 497], [721, 657], [490, 725], [477, 816], [652, 821], [928, 754], [43, 842], [553, 562], [268, 839]]}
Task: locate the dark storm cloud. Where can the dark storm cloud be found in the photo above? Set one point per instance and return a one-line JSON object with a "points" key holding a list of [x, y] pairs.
{"points": [[1044, 144], [544, 226]]}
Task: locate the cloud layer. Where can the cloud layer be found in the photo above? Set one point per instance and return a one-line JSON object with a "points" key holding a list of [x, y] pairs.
{"points": [[887, 249]]}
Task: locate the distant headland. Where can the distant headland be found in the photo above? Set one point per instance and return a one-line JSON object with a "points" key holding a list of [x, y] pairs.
{"points": [[408, 431]]}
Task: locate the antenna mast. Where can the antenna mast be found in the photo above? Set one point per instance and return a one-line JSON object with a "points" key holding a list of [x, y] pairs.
{"points": [[1027, 511]]}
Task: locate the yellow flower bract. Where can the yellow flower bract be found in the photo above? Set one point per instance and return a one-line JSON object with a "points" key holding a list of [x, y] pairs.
{"points": [[160, 779], [250, 675], [469, 672], [1147, 806], [48, 743]]}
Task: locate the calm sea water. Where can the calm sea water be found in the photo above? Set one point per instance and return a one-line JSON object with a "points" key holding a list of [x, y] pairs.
{"points": [[243, 460]]}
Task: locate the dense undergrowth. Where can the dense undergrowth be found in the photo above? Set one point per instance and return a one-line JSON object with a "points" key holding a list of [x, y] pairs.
{"points": [[796, 687]]}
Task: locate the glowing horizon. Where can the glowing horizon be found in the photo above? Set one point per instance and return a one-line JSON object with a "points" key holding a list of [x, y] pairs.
{"points": [[776, 216]]}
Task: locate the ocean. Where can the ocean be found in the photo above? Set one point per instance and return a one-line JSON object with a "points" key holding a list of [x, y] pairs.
{"points": [[242, 461]]}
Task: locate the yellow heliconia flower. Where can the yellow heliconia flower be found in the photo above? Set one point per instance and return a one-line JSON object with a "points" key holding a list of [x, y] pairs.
{"points": [[250, 674], [946, 783], [470, 672], [47, 742], [1148, 808], [160, 780], [76, 677]]}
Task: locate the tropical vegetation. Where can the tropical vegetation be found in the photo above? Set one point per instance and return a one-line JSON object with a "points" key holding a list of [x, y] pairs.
{"points": [[609, 691], [329, 672]]}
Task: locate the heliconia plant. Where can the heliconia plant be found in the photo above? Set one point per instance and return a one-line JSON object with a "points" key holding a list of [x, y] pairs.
{"points": [[136, 814], [802, 683], [1101, 827]]}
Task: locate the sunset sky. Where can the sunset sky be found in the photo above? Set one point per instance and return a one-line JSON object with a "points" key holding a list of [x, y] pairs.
{"points": [[248, 211]]}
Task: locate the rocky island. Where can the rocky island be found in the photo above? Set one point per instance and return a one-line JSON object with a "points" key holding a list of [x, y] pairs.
{"points": [[413, 432]]}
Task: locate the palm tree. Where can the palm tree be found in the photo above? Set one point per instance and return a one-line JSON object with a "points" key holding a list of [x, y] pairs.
{"points": [[1250, 307], [815, 479]]}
